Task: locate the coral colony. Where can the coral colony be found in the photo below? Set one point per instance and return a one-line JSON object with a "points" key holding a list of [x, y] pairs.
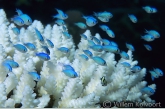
{"points": [[40, 66]]}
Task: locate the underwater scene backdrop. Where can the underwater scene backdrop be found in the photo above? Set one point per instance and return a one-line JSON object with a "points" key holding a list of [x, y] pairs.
{"points": [[127, 29]]}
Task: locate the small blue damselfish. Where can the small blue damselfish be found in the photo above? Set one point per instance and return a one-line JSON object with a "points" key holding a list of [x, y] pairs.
{"points": [[70, 73], [43, 56], [20, 48]]}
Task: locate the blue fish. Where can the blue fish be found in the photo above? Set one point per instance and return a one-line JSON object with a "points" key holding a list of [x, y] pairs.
{"points": [[30, 46], [90, 21], [148, 47], [149, 9], [67, 35], [43, 56], [70, 73], [110, 33], [104, 27], [154, 10], [88, 53], [136, 68], [106, 41], [16, 31], [126, 64], [27, 20], [130, 47], [7, 67], [64, 28], [148, 90], [132, 18], [62, 15], [17, 20], [83, 36], [98, 48], [148, 37], [50, 43], [110, 48], [103, 19], [66, 66], [96, 40], [58, 16], [91, 43], [60, 22], [104, 14], [63, 49], [19, 12], [124, 55], [99, 60], [81, 25], [153, 75], [113, 44], [35, 76], [12, 63], [20, 48], [153, 33], [46, 49], [83, 56], [158, 71], [39, 36]]}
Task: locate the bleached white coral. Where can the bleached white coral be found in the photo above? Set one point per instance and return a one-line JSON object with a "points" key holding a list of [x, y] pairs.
{"points": [[3, 96], [29, 98], [54, 87]]}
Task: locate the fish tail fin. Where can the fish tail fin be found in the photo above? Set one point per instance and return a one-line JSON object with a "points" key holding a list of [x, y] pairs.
{"points": [[19, 12], [152, 78], [95, 14], [53, 17], [57, 9], [146, 31], [142, 37], [83, 17], [75, 23]]}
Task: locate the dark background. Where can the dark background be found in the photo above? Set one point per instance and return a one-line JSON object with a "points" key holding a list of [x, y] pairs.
{"points": [[124, 29]]}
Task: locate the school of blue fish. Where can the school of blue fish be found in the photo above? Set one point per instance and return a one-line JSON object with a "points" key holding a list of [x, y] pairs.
{"points": [[94, 43]]}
